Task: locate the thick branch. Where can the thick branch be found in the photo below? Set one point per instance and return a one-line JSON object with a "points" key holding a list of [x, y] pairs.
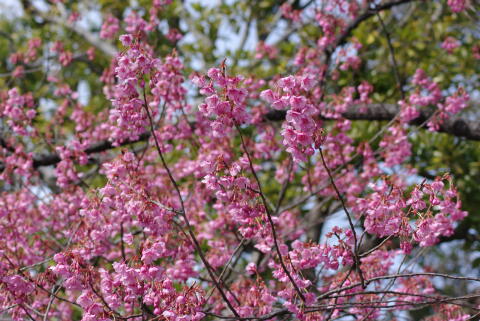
{"points": [[104, 46], [102, 146], [455, 126], [52, 159]]}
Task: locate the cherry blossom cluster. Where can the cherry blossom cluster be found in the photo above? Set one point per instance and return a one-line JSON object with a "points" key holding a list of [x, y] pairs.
{"points": [[186, 202], [435, 207], [428, 93], [457, 5], [65, 170], [64, 56], [264, 50], [22, 58], [450, 44], [300, 129], [129, 115], [19, 110], [110, 27], [226, 100]]}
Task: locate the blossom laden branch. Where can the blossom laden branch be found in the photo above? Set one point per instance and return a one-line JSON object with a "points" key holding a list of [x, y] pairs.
{"points": [[457, 126], [349, 217], [183, 211]]}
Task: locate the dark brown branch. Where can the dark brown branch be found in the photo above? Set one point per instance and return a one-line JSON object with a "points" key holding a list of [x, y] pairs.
{"points": [[52, 159], [342, 39], [455, 126]]}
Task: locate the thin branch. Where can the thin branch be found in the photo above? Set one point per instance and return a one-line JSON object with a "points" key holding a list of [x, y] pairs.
{"points": [[184, 215], [122, 244], [50, 302], [283, 192], [396, 72], [349, 217], [365, 16], [269, 216], [327, 295], [376, 247], [240, 245]]}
